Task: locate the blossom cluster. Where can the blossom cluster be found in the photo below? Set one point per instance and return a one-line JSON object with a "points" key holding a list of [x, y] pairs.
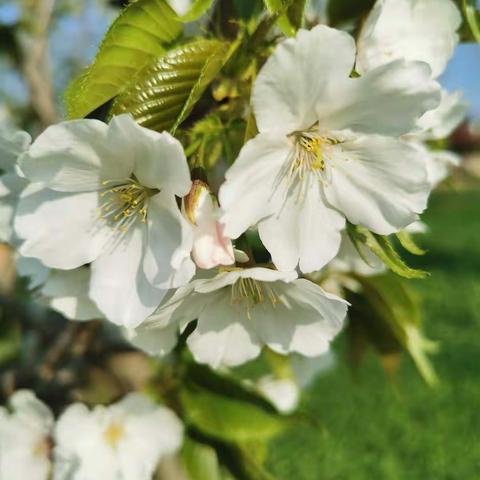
{"points": [[125, 440], [110, 221], [112, 224]]}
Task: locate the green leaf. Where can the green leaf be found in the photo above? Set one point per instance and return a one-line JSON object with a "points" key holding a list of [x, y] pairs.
{"points": [[200, 461], [408, 243], [472, 17], [290, 14], [198, 8], [166, 91], [221, 407], [383, 249], [389, 312], [140, 34]]}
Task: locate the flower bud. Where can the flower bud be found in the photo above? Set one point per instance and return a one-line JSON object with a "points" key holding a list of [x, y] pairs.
{"points": [[210, 247]]}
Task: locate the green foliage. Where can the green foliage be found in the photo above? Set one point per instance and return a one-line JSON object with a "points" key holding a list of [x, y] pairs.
{"points": [[472, 17], [141, 33], [200, 461], [382, 247], [379, 430], [165, 92], [408, 243], [228, 418], [290, 14], [387, 312]]}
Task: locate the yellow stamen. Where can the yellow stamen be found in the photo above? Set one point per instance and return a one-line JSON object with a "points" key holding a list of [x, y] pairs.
{"points": [[113, 434]]}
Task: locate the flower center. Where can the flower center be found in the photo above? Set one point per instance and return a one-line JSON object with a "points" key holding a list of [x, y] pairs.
{"points": [[43, 447], [123, 202], [248, 292], [113, 434], [309, 159]]}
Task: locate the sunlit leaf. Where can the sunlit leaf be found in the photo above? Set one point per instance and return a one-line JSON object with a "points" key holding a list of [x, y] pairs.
{"points": [[290, 14], [166, 91], [472, 17], [383, 249], [408, 243], [141, 33]]}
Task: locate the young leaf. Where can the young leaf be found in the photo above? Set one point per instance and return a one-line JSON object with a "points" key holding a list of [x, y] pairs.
{"points": [[140, 34], [290, 14], [408, 243], [383, 249], [166, 91], [473, 18]]}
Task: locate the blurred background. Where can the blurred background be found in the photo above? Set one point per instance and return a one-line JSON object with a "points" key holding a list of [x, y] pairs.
{"points": [[372, 426]]}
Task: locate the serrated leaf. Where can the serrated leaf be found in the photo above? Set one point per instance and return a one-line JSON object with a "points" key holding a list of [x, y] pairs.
{"points": [[383, 249], [166, 91], [198, 8], [141, 33], [408, 243], [200, 461]]}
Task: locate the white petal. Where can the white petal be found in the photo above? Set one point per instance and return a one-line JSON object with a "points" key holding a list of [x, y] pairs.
{"points": [[379, 183], [283, 393], [388, 100], [77, 156], [60, 229], [224, 279], [440, 164], [160, 161], [305, 232], [409, 29], [298, 75], [247, 194], [305, 319], [31, 410], [158, 341], [118, 285], [12, 145], [151, 432], [167, 263], [224, 335], [33, 269], [442, 121], [67, 293], [11, 186]]}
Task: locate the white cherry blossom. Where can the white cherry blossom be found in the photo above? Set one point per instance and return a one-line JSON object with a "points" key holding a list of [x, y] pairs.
{"points": [[106, 195], [123, 441], [25, 442], [438, 124], [241, 310], [328, 150], [424, 30]]}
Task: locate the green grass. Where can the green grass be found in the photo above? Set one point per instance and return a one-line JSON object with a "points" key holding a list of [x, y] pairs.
{"points": [[374, 430]]}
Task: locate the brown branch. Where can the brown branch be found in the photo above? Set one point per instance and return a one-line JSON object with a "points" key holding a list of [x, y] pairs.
{"points": [[35, 62]]}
